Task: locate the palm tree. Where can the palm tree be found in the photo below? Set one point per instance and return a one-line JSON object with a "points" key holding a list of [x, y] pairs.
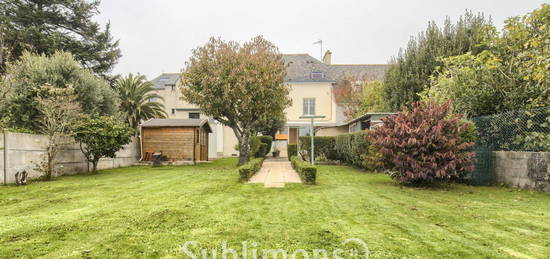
{"points": [[136, 100]]}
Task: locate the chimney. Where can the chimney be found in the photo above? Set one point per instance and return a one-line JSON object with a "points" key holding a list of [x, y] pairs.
{"points": [[327, 57]]}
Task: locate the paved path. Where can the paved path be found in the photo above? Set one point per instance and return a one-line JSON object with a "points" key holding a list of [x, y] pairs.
{"points": [[275, 172]]}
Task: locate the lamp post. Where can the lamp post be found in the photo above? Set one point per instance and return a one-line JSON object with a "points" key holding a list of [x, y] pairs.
{"points": [[312, 117]]}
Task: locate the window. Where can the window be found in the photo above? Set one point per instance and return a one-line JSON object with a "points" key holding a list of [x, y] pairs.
{"points": [[305, 131], [194, 115], [173, 111], [309, 106], [317, 75]]}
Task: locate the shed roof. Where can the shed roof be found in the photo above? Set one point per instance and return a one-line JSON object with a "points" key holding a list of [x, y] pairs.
{"points": [[163, 123]]}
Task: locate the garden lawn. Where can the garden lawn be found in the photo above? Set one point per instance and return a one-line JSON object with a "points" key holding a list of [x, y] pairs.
{"points": [[151, 212]]}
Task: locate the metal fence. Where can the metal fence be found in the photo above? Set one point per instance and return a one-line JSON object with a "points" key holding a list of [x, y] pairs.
{"points": [[510, 131]]}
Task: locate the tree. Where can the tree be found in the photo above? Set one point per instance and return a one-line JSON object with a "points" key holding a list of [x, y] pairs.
{"points": [[373, 97], [25, 77], [273, 124], [424, 144], [101, 137], [59, 110], [137, 97], [45, 27], [513, 70], [238, 85], [347, 93], [409, 72]]}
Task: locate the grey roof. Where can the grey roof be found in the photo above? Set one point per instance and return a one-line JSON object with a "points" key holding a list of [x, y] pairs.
{"points": [[160, 123], [370, 115], [166, 79], [300, 67]]}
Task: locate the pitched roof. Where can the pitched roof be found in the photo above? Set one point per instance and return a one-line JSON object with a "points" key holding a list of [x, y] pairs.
{"points": [[164, 79], [161, 123], [301, 66]]}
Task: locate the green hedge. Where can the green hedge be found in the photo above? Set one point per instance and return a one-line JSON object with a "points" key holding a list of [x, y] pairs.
{"points": [[323, 146], [267, 140], [262, 151], [307, 172], [291, 150], [355, 149], [247, 170]]}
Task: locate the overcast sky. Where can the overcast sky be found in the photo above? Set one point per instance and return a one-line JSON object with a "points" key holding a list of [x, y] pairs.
{"points": [[158, 36]]}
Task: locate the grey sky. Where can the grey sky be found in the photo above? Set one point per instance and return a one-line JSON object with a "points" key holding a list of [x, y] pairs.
{"points": [[158, 36]]}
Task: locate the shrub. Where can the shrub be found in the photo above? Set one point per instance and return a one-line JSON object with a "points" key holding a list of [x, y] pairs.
{"points": [[422, 144], [101, 137], [323, 146], [254, 147], [267, 140], [356, 149], [262, 151], [292, 150], [247, 170], [307, 172], [469, 134]]}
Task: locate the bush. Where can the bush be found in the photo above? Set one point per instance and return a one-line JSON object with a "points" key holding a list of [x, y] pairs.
{"points": [[262, 151], [422, 145], [307, 172], [254, 145], [356, 149], [469, 134], [267, 140], [292, 150], [247, 170], [323, 146]]}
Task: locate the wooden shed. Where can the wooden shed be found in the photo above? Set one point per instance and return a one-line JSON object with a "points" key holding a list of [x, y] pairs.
{"points": [[177, 139]]}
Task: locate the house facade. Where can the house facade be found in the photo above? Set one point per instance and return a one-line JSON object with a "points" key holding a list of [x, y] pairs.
{"points": [[311, 83]]}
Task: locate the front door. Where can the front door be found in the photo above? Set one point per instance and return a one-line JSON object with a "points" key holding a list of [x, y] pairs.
{"points": [[293, 136]]}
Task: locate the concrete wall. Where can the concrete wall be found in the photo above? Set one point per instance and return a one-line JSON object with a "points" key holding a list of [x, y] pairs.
{"points": [[332, 131], [25, 151], [527, 170]]}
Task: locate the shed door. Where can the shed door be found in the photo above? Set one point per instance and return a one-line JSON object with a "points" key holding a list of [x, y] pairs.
{"points": [[197, 156]]}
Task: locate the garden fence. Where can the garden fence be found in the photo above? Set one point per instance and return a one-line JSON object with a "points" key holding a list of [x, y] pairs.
{"points": [[527, 130]]}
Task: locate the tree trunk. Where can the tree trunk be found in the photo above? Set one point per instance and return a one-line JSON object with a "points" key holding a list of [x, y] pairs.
{"points": [[94, 166], [244, 148]]}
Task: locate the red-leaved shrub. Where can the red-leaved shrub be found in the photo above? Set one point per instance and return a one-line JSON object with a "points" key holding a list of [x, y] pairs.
{"points": [[422, 144]]}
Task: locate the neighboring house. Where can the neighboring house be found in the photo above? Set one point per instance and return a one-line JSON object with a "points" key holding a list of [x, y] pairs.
{"points": [[311, 82]]}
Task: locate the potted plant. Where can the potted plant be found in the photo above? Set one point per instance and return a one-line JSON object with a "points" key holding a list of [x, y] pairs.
{"points": [[275, 152]]}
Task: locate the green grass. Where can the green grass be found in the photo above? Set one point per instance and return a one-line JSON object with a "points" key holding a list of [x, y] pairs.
{"points": [[151, 212]]}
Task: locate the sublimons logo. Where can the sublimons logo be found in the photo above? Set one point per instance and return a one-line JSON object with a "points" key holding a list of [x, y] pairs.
{"points": [[350, 248]]}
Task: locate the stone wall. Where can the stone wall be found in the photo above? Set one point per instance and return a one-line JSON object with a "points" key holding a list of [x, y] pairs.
{"points": [[24, 151], [527, 170]]}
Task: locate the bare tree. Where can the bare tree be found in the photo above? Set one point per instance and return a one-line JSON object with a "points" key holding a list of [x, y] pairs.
{"points": [[60, 110], [348, 93]]}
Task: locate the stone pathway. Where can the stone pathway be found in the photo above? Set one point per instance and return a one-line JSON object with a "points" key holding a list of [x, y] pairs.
{"points": [[275, 172]]}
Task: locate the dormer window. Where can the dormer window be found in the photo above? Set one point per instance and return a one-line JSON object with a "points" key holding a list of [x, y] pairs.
{"points": [[317, 75]]}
